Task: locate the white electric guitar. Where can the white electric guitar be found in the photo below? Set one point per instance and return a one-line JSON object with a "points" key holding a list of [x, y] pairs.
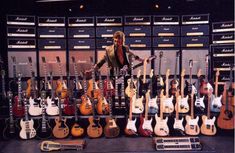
{"points": [[27, 130], [168, 106], [183, 103], [161, 128], [199, 103], [52, 109], [152, 104]]}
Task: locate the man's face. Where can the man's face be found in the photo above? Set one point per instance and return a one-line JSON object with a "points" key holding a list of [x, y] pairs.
{"points": [[118, 41]]}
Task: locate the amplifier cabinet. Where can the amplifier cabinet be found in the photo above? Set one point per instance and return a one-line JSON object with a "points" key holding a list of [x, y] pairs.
{"points": [[195, 42], [51, 32], [227, 26], [226, 38], [138, 42], [79, 44], [104, 32], [195, 30], [166, 42], [162, 31], [137, 31], [81, 32]]}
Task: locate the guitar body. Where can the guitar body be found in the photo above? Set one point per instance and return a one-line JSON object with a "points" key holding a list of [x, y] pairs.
{"points": [[94, 130], [128, 89], [18, 110], [145, 129], [208, 126], [130, 129], [153, 107], [52, 109], [216, 104], [44, 132], [168, 106], [192, 127], [178, 124], [226, 118], [68, 107], [61, 130], [34, 107], [85, 107], [10, 130], [111, 129], [27, 130], [199, 103], [90, 89], [184, 106], [161, 128], [61, 87], [137, 106], [102, 106], [77, 130]]}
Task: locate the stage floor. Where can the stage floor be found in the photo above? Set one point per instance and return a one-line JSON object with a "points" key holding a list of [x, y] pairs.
{"points": [[214, 144]]}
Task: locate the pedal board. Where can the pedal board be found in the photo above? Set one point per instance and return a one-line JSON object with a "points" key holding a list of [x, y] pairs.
{"points": [[177, 143]]}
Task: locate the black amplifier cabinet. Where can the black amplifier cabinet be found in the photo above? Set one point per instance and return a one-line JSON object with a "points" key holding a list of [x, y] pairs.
{"points": [[195, 42], [168, 31], [21, 20], [198, 56], [106, 32], [51, 21], [137, 31], [102, 43], [195, 30], [195, 19], [226, 38], [137, 20], [81, 32], [81, 44], [15, 31], [166, 42], [220, 27], [138, 42], [52, 44], [51, 32], [81, 21]]}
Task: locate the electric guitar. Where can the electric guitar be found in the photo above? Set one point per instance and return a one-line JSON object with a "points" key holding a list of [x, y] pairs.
{"points": [[46, 86], [168, 106], [123, 73], [102, 106], [152, 104], [68, 101], [192, 127], [178, 124], [226, 116], [85, 107], [61, 85], [52, 101], [111, 128], [216, 101], [10, 130], [175, 82], [76, 130], [13, 86], [145, 128], [160, 83], [44, 130], [61, 129], [161, 128], [199, 103], [183, 106], [208, 124], [27, 130], [18, 108], [31, 83]]}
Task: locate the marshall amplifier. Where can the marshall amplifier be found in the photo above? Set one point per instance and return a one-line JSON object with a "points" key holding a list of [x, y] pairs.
{"points": [[106, 32], [227, 26], [52, 44], [223, 65], [140, 42], [195, 30], [222, 50], [102, 43], [140, 31], [224, 76], [21, 32], [84, 32], [18, 44], [166, 31], [198, 57], [78, 44], [20, 20], [81, 22], [165, 20], [227, 38], [195, 19], [195, 42], [51, 21], [166, 42], [51, 32], [137, 20], [109, 21]]}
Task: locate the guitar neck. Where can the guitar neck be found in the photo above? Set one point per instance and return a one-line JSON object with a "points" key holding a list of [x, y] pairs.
{"points": [[14, 72], [3, 86], [216, 86], [122, 88], [10, 110], [101, 85], [26, 108], [146, 106], [167, 87], [76, 111], [177, 108], [19, 92], [60, 109], [192, 98], [161, 108], [182, 86]]}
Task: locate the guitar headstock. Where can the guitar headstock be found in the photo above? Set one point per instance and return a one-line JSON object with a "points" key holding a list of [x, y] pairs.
{"points": [[9, 95], [13, 59], [43, 94], [217, 73], [207, 58], [73, 59], [199, 73], [161, 54], [183, 73], [30, 59], [167, 73], [3, 73], [139, 74], [57, 59], [19, 75], [151, 73], [190, 63], [178, 54], [43, 59]]}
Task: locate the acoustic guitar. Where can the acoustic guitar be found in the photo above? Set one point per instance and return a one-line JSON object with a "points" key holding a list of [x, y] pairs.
{"points": [[192, 127], [61, 129], [226, 116], [183, 106]]}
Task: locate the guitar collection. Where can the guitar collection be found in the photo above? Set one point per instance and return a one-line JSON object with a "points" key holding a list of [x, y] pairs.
{"points": [[148, 100]]}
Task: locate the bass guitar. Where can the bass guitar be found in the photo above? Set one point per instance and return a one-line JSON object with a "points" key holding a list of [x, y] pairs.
{"points": [[61, 129], [175, 82], [44, 130], [226, 116], [10, 130], [183, 103], [27, 130], [192, 127], [152, 104]]}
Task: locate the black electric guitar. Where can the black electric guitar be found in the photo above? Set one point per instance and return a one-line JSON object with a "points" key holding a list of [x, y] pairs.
{"points": [[44, 130], [13, 86], [10, 130]]}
